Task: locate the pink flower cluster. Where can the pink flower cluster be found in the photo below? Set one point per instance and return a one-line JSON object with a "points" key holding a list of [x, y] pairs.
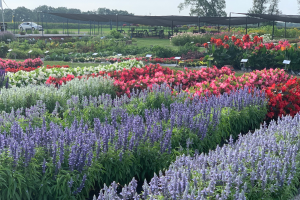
{"points": [[227, 83], [17, 64]]}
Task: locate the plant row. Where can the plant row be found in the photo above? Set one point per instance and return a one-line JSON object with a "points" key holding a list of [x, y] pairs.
{"points": [[262, 165], [40, 75], [119, 140]]}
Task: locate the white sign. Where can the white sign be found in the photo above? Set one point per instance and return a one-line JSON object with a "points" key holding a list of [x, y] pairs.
{"points": [[30, 51], [9, 50], [62, 38], [177, 58], [208, 42], [119, 54], [287, 62], [46, 51], [244, 60], [94, 54], [148, 56], [50, 39], [8, 40]]}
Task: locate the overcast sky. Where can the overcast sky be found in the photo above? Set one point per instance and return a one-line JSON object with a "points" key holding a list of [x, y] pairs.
{"points": [[145, 7]]}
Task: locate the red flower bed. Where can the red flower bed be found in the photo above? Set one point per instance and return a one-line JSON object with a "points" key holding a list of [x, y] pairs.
{"points": [[246, 43], [284, 99], [141, 78]]}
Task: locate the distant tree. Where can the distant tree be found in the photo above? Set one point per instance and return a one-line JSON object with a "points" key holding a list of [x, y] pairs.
{"points": [[207, 8], [21, 14], [8, 14], [265, 7], [273, 8], [105, 11]]}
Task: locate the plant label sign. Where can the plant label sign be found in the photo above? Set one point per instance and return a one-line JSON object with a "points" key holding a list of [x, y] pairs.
{"points": [[148, 56], [46, 51], [244, 60], [9, 50], [286, 62], [30, 51], [119, 54], [177, 58], [94, 54]]}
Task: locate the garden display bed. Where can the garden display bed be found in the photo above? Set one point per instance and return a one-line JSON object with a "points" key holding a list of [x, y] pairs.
{"points": [[130, 130], [107, 126]]}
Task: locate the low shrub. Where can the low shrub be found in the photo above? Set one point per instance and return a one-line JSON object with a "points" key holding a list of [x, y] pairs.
{"points": [[6, 35]]}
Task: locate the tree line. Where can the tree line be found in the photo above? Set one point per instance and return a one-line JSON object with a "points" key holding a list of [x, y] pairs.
{"points": [[216, 8], [40, 13]]}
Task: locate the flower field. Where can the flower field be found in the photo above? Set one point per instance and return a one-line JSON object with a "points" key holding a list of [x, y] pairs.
{"points": [[72, 133]]}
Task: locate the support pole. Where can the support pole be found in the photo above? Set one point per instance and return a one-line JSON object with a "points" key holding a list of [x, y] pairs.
{"points": [[3, 16], [46, 23], [78, 27], [63, 28], [172, 29], [117, 21], [198, 24], [229, 20], [90, 27], [246, 25], [101, 29], [94, 28], [218, 28], [42, 25], [273, 30], [68, 27], [284, 29], [98, 27]]}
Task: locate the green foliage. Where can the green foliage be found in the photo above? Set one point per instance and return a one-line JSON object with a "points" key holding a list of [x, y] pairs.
{"points": [[263, 58], [231, 56], [293, 54], [115, 34], [48, 31], [36, 53], [163, 52], [3, 50], [19, 54]]}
